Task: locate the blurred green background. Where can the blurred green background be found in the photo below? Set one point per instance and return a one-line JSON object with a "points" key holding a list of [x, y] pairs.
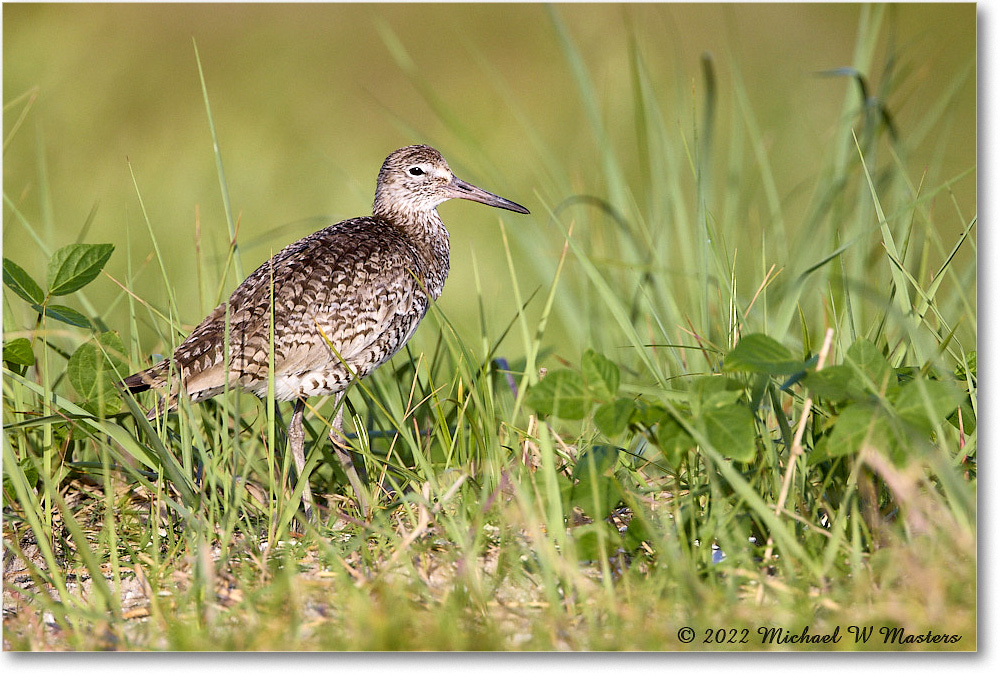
{"points": [[308, 99]]}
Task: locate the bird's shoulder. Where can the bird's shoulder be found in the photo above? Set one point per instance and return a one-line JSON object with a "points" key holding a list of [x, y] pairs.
{"points": [[351, 263], [346, 253]]}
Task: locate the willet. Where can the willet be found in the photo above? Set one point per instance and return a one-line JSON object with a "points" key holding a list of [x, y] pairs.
{"points": [[344, 300]]}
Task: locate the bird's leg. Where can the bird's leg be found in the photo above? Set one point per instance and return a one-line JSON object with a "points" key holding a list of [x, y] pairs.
{"points": [[296, 439], [343, 452]]}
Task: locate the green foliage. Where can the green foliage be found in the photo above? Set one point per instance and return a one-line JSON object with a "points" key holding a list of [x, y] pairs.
{"points": [[858, 424], [94, 369], [17, 354], [69, 269], [571, 394], [600, 376], [873, 368], [593, 487], [758, 353], [712, 405], [891, 417], [561, 393], [836, 383], [613, 418], [730, 429], [95, 366], [926, 403], [670, 437], [19, 281], [668, 464], [73, 267], [63, 314]]}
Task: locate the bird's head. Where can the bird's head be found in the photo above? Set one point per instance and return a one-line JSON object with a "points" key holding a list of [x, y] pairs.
{"points": [[417, 179]]}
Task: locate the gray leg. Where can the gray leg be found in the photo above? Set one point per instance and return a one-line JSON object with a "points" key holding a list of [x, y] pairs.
{"points": [[296, 438], [343, 452]]}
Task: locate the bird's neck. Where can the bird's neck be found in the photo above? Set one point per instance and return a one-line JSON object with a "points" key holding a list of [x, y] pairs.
{"points": [[427, 234]]}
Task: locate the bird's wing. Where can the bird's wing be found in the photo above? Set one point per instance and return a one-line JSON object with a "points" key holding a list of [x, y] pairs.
{"points": [[354, 286]]}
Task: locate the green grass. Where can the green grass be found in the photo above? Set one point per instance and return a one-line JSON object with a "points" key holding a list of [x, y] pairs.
{"points": [[789, 379]]}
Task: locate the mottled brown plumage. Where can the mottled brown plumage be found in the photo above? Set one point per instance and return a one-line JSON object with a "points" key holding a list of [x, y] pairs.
{"points": [[361, 286]]}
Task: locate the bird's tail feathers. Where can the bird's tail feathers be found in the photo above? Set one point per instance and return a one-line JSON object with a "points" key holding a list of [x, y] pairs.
{"points": [[152, 378]]}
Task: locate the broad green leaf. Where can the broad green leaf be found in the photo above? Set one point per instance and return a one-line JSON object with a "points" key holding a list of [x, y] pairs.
{"points": [[560, 393], [73, 267], [587, 540], [111, 345], [612, 418], [28, 470], [857, 424], [600, 375], [596, 491], [714, 391], [64, 314], [731, 431], [595, 460], [19, 281], [673, 440], [82, 370], [647, 414], [758, 353], [565, 490], [19, 351], [924, 403], [92, 372], [869, 360], [835, 383], [636, 533]]}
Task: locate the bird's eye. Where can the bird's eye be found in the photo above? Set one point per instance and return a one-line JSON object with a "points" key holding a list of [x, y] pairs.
{"points": [[416, 171]]}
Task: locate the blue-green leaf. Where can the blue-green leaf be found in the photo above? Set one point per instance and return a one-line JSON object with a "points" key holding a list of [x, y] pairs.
{"points": [[64, 314]]}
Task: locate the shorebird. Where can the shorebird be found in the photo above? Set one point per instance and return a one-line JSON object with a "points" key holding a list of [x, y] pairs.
{"points": [[344, 299]]}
